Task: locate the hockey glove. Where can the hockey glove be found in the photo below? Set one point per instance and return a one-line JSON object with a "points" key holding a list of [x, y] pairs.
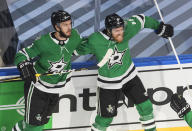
{"points": [[165, 30], [27, 71], [179, 105]]}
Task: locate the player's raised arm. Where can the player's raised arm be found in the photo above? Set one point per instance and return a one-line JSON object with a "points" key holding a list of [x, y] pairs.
{"points": [[138, 22]]}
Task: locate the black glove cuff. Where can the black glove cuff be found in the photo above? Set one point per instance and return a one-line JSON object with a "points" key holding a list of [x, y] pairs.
{"points": [[165, 30], [27, 71], [184, 111], [24, 63]]}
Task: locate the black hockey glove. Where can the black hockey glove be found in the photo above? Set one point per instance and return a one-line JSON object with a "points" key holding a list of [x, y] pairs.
{"points": [[179, 105], [165, 30], [27, 71]]}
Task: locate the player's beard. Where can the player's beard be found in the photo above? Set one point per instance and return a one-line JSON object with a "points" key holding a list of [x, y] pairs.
{"points": [[62, 34], [118, 38]]}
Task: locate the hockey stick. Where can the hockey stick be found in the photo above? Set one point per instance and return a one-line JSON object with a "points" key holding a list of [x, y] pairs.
{"points": [[170, 41], [100, 64], [37, 76], [17, 78]]}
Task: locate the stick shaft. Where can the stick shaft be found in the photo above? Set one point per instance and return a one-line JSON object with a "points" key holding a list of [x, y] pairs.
{"points": [[170, 40], [37, 76], [10, 79]]}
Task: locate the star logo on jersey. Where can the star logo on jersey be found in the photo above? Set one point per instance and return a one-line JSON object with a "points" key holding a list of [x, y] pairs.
{"points": [[57, 67], [116, 57], [38, 117], [111, 109]]}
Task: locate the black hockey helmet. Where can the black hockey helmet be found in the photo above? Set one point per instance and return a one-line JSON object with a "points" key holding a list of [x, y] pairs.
{"points": [[59, 16], [113, 21]]}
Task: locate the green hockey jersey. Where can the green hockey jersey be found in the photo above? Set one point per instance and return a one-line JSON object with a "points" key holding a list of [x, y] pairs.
{"points": [[53, 57], [119, 69]]}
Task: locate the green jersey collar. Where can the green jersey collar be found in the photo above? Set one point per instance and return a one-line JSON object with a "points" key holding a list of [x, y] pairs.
{"points": [[57, 41], [104, 35]]}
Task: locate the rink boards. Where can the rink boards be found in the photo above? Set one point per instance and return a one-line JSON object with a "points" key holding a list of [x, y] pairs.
{"points": [[77, 105], [76, 110]]}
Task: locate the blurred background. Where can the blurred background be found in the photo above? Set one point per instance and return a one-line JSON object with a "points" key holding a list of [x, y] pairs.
{"points": [[21, 21]]}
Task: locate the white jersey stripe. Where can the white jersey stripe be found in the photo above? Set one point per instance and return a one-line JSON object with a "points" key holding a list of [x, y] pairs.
{"points": [[17, 127], [117, 85], [117, 78]]}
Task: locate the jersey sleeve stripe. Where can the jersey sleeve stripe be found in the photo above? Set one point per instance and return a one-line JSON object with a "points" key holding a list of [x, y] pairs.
{"points": [[75, 53], [141, 19], [23, 51]]}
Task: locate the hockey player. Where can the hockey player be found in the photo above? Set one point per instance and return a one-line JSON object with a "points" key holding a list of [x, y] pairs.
{"points": [[54, 51], [182, 108], [119, 73]]}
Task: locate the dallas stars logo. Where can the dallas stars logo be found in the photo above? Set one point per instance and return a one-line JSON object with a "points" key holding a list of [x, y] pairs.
{"points": [[38, 117], [116, 57], [111, 109], [57, 67], [118, 21]]}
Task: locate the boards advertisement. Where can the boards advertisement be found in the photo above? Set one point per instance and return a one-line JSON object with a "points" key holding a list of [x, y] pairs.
{"points": [[77, 107]]}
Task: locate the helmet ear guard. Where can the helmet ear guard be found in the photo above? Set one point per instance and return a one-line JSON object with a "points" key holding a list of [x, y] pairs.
{"points": [[58, 26], [109, 32]]}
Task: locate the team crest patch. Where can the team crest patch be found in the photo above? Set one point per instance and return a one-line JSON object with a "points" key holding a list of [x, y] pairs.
{"points": [[57, 67], [111, 109], [116, 57], [38, 117]]}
